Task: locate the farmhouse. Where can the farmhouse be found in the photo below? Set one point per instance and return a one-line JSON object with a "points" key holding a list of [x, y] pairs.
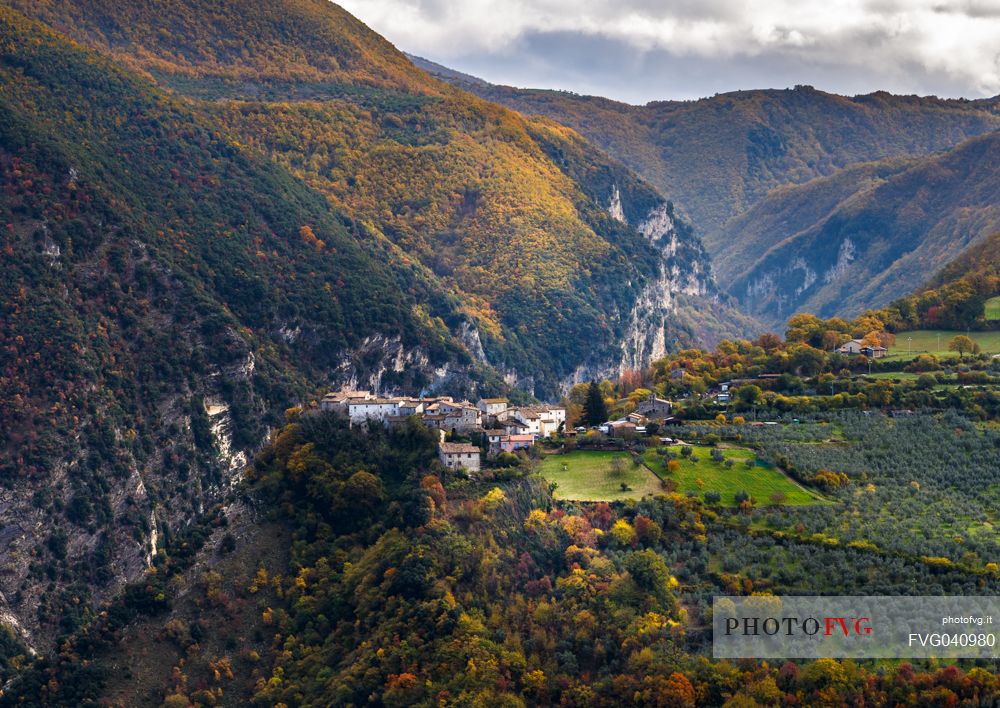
{"points": [[654, 407], [459, 456], [621, 429], [857, 346]]}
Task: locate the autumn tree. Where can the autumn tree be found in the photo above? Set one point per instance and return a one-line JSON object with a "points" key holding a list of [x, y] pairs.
{"points": [[832, 339], [872, 339], [963, 344], [650, 573], [769, 342], [308, 236], [749, 395]]}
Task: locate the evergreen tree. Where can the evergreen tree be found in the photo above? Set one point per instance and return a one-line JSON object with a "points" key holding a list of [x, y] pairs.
{"points": [[595, 411]]}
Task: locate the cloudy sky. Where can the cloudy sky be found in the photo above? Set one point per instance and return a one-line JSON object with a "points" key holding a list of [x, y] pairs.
{"points": [[642, 50]]}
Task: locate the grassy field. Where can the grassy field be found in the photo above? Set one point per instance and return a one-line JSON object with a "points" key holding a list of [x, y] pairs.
{"points": [[935, 341], [993, 308], [893, 375], [587, 476], [761, 482]]}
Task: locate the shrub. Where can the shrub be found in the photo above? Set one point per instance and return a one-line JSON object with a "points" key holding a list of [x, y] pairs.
{"points": [[228, 543]]}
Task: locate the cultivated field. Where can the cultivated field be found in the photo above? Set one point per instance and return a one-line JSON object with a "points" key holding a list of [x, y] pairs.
{"points": [[935, 341], [707, 475], [588, 476], [584, 475]]}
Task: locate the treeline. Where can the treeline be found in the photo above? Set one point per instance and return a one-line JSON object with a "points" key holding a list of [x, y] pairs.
{"points": [[291, 40], [803, 372], [956, 297]]}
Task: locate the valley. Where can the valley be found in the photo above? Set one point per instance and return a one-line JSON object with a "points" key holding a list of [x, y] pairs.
{"points": [[333, 376], [806, 201]]}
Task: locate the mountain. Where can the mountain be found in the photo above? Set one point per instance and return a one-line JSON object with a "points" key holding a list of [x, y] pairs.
{"points": [[555, 252], [865, 236], [718, 157], [186, 256], [167, 293]]}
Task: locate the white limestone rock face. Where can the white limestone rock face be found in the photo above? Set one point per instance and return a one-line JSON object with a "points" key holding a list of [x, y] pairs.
{"points": [[222, 435], [615, 205], [779, 288], [645, 338], [658, 224], [845, 256], [808, 275], [468, 334]]}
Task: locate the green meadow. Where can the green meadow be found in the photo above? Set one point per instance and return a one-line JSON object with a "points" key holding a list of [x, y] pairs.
{"points": [[700, 474], [584, 475], [935, 341]]}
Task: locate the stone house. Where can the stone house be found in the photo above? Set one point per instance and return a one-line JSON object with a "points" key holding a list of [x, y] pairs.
{"points": [[654, 407], [459, 456]]}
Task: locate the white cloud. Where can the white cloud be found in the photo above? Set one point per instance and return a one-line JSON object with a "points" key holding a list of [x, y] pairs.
{"points": [[945, 46]]}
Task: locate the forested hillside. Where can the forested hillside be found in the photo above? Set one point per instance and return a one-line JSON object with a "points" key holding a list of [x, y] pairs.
{"points": [[865, 236], [512, 217], [374, 575], [790, 209], [958, 296], [719, 156], [166, 293], [178, 271], [237, 44]]}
